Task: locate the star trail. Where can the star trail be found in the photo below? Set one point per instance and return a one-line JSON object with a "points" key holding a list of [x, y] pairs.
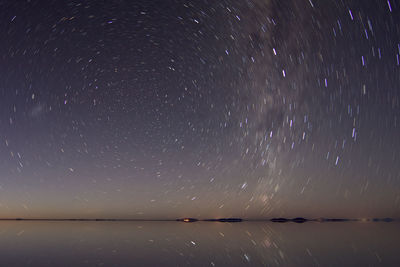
{"points": [[203, 109]]}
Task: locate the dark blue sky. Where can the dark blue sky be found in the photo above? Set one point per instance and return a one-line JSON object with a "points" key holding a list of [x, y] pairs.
{"points": [[162, 109]]}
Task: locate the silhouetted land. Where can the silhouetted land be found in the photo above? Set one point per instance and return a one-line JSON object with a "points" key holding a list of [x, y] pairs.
{"points": [[283, 220], [280, 220], [299, 220], [229, 220], [334, 220], [383, 220]]}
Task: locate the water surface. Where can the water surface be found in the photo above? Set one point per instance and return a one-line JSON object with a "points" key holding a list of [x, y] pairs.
{"points": [[35, 243]]}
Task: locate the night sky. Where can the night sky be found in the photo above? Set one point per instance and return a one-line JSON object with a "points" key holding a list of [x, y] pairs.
{"points": [[164, 109]]}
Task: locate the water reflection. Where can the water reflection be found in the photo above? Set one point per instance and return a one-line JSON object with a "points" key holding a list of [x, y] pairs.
{"points": [[26, 243]]}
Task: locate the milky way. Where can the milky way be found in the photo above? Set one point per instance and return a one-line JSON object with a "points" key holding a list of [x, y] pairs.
{"points": [[162, 109]]}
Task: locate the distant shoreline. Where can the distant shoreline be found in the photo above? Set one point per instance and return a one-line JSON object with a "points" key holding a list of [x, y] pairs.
{"points": [[191, 220]]}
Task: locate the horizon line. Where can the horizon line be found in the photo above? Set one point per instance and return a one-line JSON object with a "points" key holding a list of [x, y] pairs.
{"points": [[227, 219]]}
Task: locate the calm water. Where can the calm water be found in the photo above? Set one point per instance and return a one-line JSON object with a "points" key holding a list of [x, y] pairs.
{"points": [[24, 243]]}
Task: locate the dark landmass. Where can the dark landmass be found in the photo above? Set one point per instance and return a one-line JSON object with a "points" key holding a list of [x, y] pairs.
{"points": [[383, 220], [211, 220], [299, 220], [86, 220], [334, 220], [280, 220], [230, 220], [233, 220]]}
